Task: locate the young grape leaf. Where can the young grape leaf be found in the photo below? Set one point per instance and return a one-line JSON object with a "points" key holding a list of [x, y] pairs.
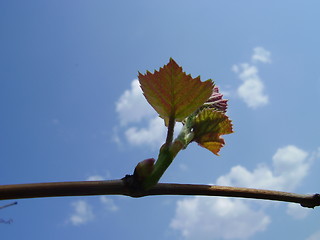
{"points": [[173, 93], [208, 126], [216, 101]]}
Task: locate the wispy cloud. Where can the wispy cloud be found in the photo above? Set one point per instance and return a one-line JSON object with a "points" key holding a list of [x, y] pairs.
{"points": [[109, 204], [252, 90], [55, 121], [314, 236], [220, 218], [261, 55], [95, 178], [297, 212], [98, 177], [82, 213]]}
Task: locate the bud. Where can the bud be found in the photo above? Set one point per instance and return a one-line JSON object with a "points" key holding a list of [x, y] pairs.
{"points": [[144, 169]]}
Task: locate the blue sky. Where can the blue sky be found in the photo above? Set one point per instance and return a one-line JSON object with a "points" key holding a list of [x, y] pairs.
{"points": [[71, 109]]}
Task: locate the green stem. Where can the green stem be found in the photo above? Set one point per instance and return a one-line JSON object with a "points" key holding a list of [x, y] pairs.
{"points": [[170, 131], [165, 158], [168, 152]]}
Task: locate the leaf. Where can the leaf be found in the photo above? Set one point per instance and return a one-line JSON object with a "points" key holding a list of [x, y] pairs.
{"points": [[208, 127], [173, 93], [216, 101]]}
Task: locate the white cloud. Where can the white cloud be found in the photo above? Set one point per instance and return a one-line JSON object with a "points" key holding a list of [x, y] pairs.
{"points": [[154, 134], [297, 212], [261, 54], [225, 218], [315, 236], [82, 213], [109, 204], [98, 177], [115, 136], [95, 178], [251, 91], [132, 105], [217, 218], [290, 166], [132, 108]]}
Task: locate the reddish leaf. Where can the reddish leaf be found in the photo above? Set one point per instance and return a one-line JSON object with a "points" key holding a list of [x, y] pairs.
{"points": [[216, 101], [208, 127], [173, 93]]}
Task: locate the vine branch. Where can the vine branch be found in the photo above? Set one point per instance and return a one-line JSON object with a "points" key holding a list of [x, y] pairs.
{"points": [[119, 187]]}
